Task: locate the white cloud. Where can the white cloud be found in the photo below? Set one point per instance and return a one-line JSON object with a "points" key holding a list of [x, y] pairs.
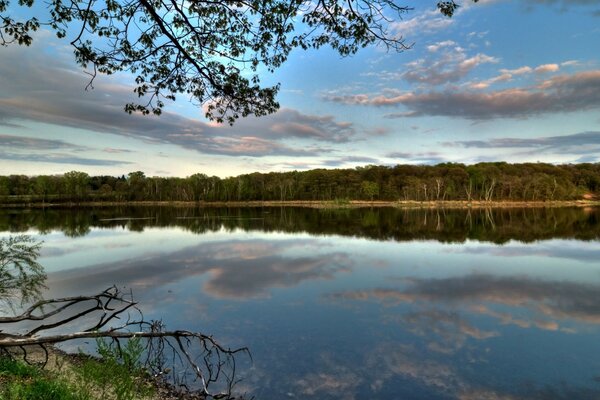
{"points": [[436, 46], [547, 68]]}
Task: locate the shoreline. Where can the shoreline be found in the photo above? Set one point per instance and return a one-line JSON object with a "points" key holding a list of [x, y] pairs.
{"points": [[326, 204]]}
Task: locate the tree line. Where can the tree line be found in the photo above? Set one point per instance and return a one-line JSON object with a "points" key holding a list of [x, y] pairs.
{"points": [[497, 181]]}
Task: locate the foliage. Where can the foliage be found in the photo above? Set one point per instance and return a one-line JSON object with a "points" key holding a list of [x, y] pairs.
{"points": [[117, 372], [210, 51], [21, 276], [370, 189], [497, 181]]}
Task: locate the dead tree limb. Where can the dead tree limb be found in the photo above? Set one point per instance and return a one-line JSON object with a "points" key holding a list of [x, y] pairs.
{"points": [[194, 361]]}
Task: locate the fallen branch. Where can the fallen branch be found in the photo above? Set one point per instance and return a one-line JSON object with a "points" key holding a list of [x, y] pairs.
{"points": [[180, 354]]}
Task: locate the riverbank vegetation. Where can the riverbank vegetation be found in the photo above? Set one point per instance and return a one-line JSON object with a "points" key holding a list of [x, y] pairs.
{"points": [[74, 377], [483, 182]]}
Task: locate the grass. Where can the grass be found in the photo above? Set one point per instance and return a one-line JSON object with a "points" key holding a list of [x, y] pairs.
{"points": [[20, 381], [114, 376], [117, 374]]}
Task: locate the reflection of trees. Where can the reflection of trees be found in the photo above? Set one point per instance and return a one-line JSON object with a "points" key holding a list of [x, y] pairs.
{"points": [[494, 225], [21, 276]]}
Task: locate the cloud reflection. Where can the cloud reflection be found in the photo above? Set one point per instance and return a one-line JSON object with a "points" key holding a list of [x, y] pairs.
{"points": [[235, 269], [590, 253], [546, 302]]}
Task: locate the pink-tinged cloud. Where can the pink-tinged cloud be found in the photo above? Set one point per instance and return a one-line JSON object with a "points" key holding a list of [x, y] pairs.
{"points": [[547, 68], [559, 94]]}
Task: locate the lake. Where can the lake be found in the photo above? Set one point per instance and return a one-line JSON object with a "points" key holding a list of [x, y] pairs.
{"points": [[366, 303]]}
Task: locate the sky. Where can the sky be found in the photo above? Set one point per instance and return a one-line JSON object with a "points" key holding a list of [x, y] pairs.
{"points": [[502, 80]]}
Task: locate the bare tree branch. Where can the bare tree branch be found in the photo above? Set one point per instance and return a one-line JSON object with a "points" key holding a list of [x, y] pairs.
{"points": [[196, 360]]}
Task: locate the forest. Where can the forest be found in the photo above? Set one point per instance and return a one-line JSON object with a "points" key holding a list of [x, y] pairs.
{"points": [[497, 181]]}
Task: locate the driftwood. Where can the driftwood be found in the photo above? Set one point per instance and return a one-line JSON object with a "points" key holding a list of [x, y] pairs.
{"points": [[190, 361]]}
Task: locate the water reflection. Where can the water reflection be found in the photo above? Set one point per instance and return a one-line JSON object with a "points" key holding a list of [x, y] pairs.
{"points": [[477, 317], [558, 300], [494, 225], [330, 313], [569, 250], [235, 269]]}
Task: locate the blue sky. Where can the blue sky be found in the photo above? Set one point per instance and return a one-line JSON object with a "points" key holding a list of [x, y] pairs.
{"points": [[501, 81]]}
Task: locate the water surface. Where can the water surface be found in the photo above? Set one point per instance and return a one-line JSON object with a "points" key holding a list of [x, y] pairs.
{"points": [[355, 304]]}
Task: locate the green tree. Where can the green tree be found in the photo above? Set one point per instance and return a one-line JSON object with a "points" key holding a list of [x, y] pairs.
{"points": [[370, 189], [4, 186], [43, 186], [76, 185], [21, 276], [208, 50], [137, 185]]}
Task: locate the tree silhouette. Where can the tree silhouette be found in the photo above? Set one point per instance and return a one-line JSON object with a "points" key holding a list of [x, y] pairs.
{"points": [[210, 51]]}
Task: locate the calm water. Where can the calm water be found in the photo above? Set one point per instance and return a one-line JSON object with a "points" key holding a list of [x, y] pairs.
{"points": [[355, 304]]}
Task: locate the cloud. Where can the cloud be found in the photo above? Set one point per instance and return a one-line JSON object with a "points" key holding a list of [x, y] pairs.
{"points": [[430, 157], [31, 143], [451, 67], [578, 143], [112, 150], [517, 71], [488, 82], [570, 63], [31, 149], [432, 21], [45, 89], [426, 22], [59, 159], [559, 94], [350, 160], [437, 46], [447, 63], [547, 68], [507, 75]]}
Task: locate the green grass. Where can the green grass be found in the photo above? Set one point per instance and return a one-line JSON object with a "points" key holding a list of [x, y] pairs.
{"points": [[20, 381], [117, 375]]}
